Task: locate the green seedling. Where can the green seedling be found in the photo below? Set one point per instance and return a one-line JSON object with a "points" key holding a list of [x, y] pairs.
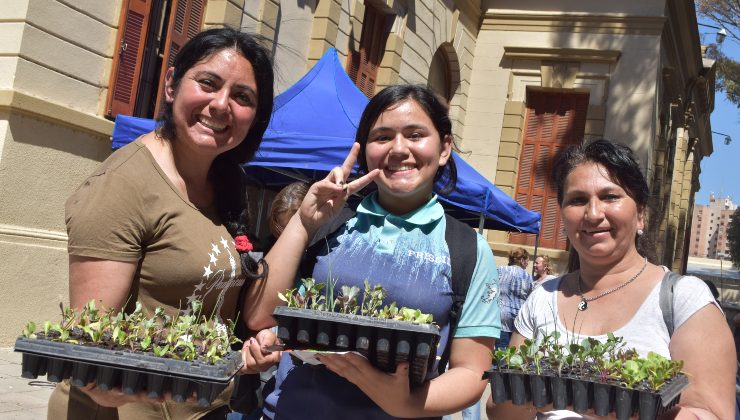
{"points": [[603, 361], [309, 297], [186, 337], [346, 302], [30, 330], [372, 299]]}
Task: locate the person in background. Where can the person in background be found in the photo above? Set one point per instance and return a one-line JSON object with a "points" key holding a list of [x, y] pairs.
{"points": [[515, 284], [284, 206], [603, 196], [396, 238], [542, 269]]}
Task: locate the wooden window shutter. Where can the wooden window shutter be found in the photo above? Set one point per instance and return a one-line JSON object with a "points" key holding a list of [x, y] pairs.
{"points": [[554, 120], [364, 64], [186, 20], [127, 60]]}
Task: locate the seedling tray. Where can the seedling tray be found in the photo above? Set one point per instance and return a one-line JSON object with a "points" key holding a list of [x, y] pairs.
{"points": [[581, 394], [384, 342], [131, 371]]}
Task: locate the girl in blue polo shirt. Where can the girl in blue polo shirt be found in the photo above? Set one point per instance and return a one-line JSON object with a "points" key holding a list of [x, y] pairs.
{"points": [[397, 239]]}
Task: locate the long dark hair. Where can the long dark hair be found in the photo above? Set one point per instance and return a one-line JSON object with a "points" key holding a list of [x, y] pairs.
{"points": [[226, 174], [432, 105]]}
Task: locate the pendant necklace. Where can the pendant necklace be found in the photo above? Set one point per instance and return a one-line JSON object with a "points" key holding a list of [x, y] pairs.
{"points": [[583, 304]]}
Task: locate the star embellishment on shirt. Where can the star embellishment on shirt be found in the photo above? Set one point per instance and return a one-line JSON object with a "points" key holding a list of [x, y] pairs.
{"points": [[490, 294]]}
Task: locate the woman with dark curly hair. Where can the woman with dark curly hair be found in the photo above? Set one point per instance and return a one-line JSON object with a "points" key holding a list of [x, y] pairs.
{"points": [[603, 196], [163, 221]]}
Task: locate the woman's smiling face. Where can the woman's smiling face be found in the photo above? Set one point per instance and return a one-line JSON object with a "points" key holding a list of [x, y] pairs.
{"points": [[215, 103], [600, 218], [405, 145]]}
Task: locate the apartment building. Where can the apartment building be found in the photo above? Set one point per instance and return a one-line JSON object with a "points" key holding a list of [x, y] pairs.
{"points": [[709, 228]]}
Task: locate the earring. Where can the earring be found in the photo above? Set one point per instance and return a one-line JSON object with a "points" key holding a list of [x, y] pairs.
{"points": [[640, 232]]}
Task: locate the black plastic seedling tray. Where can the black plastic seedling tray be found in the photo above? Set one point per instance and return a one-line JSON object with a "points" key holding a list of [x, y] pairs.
{"points": [[131, 371], [384, 342], [580, 394]]}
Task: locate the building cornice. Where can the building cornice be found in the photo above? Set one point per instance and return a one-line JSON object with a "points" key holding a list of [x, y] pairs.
{"points": [[15, 101], [32, 233], [572, 22], [562, 54]]}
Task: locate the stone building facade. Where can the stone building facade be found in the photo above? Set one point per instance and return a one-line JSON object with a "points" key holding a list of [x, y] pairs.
{"points": [[523, 79]]}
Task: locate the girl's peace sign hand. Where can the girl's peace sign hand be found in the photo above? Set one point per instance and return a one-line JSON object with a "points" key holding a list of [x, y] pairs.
{"points": [[326, 198]]}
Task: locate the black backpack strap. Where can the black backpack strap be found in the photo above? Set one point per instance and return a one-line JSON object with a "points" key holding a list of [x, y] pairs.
{"points": [[318, 243], [666, 299], [463, 245]]}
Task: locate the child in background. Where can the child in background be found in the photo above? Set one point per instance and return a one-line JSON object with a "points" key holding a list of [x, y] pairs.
{"points": [[284, 206]]}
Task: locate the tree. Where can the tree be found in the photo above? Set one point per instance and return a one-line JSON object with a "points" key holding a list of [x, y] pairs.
{"points": [[726, 13], [733, 237]]}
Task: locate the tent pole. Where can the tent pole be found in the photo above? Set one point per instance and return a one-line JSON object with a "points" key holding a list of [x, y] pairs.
{"points": [[536, 245], [480, 223], [259, 211], [289, 174]]}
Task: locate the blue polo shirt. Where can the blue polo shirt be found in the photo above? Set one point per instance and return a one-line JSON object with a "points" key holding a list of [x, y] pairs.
{"points": [[409, 256]]}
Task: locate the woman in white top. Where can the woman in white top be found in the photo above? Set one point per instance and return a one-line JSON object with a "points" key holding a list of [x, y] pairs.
{"points": [[602, 196], [542, 269]]}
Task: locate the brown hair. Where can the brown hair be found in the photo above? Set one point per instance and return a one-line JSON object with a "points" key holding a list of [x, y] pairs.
{"points": [[517, 255], [287, 200]]}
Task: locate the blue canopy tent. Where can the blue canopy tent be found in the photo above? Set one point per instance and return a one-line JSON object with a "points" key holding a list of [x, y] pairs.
{"points": [[313, 127], [313, 123]]}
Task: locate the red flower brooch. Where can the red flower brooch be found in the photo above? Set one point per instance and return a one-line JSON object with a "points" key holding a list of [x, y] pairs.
{"points": [[242, 244]]}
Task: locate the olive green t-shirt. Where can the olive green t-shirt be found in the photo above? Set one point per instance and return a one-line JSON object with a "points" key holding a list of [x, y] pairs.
{"points": [[129, 210]]}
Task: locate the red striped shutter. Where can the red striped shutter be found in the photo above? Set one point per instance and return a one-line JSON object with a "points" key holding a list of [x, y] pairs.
{"points": [[127, 60], [186, 20], [363, 64], [554, 120]]}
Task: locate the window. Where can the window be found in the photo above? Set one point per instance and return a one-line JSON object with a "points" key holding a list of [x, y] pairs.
{"points": [[150, 34], [553, 121], [363, 64]]}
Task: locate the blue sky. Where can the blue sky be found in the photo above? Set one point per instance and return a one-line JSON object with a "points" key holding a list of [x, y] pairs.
{"points": [[720, 172]]}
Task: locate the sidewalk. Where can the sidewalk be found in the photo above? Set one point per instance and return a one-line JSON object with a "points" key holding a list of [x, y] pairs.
{"points": [[20, 398], [26, 399]]}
